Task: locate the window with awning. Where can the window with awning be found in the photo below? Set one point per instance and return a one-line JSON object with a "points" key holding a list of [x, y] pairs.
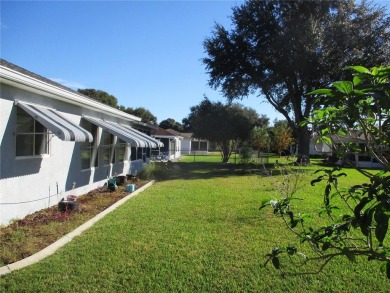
{"points": [[57, 124]]}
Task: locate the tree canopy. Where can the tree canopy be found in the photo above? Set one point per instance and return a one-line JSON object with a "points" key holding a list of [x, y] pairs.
{"points": [[171, 124], [223, 124], [145, 115], [105, 98], [100, 96], [284, 49]]}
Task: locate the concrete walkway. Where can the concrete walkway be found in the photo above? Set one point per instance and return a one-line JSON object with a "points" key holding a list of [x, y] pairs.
{"points": [[51, 249]]}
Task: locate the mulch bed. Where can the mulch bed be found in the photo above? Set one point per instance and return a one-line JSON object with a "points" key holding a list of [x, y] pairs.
{"points": [[27, 236]]}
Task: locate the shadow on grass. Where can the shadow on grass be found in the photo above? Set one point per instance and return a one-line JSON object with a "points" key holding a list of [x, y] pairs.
{"points": [[209, 170]]}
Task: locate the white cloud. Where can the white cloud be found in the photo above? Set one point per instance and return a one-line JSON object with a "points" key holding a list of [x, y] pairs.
{"points": [[70, 84]]}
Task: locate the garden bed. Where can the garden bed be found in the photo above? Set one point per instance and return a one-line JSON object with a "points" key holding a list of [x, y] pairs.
{"points": [[36, 231]]}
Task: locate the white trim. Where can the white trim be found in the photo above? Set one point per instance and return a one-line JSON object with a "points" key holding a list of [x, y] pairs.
{"points": [[22, 81]]}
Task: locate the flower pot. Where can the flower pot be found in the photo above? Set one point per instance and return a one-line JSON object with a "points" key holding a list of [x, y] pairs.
{"points": [[65, 206], [130, 187]]}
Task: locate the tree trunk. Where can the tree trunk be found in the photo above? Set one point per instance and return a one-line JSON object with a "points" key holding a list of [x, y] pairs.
{"points": [[225, 151], [303, 135]]}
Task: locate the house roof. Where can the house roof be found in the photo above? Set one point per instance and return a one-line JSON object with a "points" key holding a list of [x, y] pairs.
{"points": [[19, 77], [187, 135], [163, 132], [174, 132], [17, 68]]}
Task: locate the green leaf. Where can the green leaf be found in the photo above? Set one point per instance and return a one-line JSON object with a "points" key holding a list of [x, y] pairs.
{"points": [[306, 217], [356, 80], [341, 132], [325, 246], [359, 93], [382, 224], [264, 202], [366, 220], [388, 270], [313, 182], [360, 69], [291, 250], [345, 87], [276, 262], [349, 255], [360, 206], [326, 92]]}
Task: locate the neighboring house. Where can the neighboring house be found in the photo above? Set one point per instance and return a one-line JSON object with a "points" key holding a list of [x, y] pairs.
{"points": [[361, 158], [191, 145], [172, 143], [56, 142]]}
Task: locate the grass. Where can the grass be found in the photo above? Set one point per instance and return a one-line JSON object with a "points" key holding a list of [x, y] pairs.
{"points": [[197, 230]]}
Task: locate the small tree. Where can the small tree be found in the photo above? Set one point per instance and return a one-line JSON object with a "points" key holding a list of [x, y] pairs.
{"points": [[282, 136], [226, 125], [260, 139], [358, 216]]}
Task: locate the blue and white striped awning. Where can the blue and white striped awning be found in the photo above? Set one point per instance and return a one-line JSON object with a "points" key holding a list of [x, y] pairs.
{"points": [[60, 126], [154, 143], [133, 137]]}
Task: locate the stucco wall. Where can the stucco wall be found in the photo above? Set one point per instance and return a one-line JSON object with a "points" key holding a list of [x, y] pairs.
{"points": [[186, 146], [37, 178]]}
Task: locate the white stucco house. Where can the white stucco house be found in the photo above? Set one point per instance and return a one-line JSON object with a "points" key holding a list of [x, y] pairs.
{"points": [[191, 145], [172, 143], [53, 138], [360, 158]]}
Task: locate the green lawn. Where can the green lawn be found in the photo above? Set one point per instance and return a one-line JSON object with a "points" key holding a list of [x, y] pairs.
{"points": [[198, 230]]}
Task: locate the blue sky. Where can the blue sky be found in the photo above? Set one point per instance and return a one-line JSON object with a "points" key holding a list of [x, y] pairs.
{"points": [[145, 53]]}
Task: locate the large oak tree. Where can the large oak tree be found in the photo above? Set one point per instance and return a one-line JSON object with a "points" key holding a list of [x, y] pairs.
{"points": [[282, 50]]}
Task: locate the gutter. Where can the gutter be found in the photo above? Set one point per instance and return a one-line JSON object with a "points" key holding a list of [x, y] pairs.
{"points": [[25, 82]]}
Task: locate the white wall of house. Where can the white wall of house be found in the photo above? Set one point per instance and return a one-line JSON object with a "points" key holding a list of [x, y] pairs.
{"points": [[172, 146], [186, 146], [319, 148], [28, 184], [361, 160]]}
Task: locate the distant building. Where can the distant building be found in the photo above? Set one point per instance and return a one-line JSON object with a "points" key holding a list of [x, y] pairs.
{"points": [[360, 158], [191, 145], [56, 142], [172, 143]]}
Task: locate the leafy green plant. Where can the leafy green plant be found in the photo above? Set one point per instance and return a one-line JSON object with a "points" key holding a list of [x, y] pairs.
{"points": [[245, 153], [357, 217]]}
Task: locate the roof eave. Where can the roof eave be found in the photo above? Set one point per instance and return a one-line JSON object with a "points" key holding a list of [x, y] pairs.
{"points": [[22, 81]]}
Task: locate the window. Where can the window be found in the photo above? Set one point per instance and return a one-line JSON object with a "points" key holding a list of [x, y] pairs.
{"points": [[195, 145], [107, 146], [120, 149], [88, 149], [203, 145], [32, 138], [133, 153], [139, 153]]}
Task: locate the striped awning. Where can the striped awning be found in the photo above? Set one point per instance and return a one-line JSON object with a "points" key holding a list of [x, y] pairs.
{"points": [[155, 143], [60, 126], [126, 133]]}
